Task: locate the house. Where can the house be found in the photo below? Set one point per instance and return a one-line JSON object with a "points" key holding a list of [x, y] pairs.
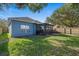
{"points": [[25, 26]]}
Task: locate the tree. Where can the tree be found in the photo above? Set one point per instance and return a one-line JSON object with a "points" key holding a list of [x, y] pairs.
{"points": [[66, 16], [48, 20], [4, 25], [34, 7]]}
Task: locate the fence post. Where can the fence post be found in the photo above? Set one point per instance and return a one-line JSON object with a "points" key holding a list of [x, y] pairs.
{"points": [[70, 30], [64, 30]]}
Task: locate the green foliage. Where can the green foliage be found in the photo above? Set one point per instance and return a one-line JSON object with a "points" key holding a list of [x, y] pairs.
{"points": [[3, 36], [34, 7], [4, 25], [67, 15], [9, 35], [48, 20]]}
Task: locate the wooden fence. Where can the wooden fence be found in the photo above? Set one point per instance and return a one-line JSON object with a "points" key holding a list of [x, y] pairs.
{"points": [[74, 30]]}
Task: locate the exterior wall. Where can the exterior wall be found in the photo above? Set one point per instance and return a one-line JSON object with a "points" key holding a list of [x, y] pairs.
{"points": [[10, 29], [15, 29]]}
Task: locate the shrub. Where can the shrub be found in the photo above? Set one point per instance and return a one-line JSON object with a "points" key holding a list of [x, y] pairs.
{"points": [[9, 35], [3, 36]]}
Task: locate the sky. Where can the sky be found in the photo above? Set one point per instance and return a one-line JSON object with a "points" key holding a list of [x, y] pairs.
{"points": [[44, 13]]}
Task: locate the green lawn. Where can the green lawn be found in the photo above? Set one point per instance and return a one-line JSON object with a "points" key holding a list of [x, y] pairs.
{"points": [[4, 46], [48, 45], [44, 45]]}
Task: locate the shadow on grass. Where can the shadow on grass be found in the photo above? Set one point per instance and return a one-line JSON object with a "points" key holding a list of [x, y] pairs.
{"points": [[71, 40], [45, 48], [40, 46]]}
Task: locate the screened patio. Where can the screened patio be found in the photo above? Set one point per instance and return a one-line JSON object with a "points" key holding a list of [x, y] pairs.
{"points": [[44, 28]]}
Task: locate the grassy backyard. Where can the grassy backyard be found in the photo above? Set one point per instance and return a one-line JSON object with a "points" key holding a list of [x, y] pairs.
{"points": [[41, 46], [4, 44], [45, 45]]}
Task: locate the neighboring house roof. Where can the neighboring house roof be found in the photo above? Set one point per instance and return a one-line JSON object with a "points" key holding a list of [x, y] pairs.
{"points": [[23, 19]]}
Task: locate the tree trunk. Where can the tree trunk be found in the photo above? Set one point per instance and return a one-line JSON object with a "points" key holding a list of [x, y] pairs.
{"points": [[64, 30], [70, 30]]}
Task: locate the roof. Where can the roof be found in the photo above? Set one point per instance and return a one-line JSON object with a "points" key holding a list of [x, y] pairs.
{"points": [[23, 19], [46, 24], [26, 19]]}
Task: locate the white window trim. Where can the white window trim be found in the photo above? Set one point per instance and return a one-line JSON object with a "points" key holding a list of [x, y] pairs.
{"points": [[24, 28]]}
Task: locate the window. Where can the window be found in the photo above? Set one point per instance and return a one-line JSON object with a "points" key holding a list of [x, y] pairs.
{"points": [[22, 26], [42, 27], [25, 28]]}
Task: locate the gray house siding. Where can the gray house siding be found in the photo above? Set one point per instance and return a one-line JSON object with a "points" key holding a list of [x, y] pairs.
{"points": [[15, 29]]}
